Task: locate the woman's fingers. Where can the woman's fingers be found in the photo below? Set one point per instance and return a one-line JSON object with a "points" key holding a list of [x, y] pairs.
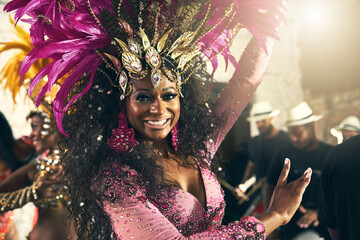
{"points": [[49, 188], [304, 181], [58, 172], [284, 173], [308, 173]]}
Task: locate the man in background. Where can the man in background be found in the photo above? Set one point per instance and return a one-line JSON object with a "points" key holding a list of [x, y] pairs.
{"points": [[339, 208], [349, 127], [262, 146], [304, 150]]}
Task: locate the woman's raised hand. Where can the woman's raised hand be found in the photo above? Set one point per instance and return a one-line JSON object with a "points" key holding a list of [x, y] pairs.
{"points": [[50, 186], [287, 197]]}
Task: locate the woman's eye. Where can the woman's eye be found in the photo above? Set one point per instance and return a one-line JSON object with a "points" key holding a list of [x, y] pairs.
{"points": [[143, 98], [169, 96]]}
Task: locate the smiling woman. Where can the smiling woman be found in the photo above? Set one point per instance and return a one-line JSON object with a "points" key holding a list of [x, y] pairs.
{"points": [[137, 167], [153, 112]]}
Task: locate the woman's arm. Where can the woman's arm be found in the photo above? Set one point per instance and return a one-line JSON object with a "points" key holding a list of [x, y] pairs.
{"points": [[285, 199], [19, 188], [233, 99], [18, 179], [17, 199]]}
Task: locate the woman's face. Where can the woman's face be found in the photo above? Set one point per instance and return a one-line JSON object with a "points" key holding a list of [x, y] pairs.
{"points": [[153, 112], [35, 135], [41, 143]]}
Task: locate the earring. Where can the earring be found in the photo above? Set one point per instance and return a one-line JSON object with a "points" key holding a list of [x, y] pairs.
{"points": [[122, 139], [175, 136]]}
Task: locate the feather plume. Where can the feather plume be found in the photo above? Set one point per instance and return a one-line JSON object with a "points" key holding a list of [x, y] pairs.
{"points": [[69, 41], [10, 72], [70, 35], [260, 17]]}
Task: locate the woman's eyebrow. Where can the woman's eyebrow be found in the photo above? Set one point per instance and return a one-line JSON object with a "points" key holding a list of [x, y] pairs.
{"points": [[165, 89], [144, 89]]}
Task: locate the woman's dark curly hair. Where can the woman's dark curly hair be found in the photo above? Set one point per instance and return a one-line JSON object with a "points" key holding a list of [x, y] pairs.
{"points": [[89, 124]]}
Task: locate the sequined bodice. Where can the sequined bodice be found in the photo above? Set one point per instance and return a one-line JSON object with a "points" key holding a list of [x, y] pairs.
{"points": [[184, 210], [181, 208]]}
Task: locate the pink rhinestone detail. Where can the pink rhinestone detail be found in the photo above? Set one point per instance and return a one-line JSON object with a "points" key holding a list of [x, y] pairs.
{"points": [[122, 139], [175, 136], [177, 217]]}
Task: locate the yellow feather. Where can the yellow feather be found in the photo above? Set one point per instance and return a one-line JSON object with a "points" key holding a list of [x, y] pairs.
{"points": [[14, 45], [9, 74], [20, 32]]}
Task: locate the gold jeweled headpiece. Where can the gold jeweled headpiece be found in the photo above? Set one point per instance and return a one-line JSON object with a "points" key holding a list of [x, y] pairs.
{"points": [[134, 38]]}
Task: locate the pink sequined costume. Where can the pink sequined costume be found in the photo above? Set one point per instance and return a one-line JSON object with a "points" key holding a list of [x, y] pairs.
{"points": [[173, 213]]}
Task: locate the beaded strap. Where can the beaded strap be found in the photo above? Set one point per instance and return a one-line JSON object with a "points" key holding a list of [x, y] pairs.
{"points": [[12, 200]]}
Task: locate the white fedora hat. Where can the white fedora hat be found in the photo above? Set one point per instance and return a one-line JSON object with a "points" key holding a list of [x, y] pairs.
{"points": [[300, 114], [261, 111], [350, 123]]}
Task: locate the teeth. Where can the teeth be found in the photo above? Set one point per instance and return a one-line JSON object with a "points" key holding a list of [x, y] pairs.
{"points": [[157, 122]]}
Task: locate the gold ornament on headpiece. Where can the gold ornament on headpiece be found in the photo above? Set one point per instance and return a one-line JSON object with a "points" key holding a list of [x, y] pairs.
{"points": [[137, 47], [132, 54]]}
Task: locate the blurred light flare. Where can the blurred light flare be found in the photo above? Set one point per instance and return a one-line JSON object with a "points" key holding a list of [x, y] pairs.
{"points": [[315, 14]]}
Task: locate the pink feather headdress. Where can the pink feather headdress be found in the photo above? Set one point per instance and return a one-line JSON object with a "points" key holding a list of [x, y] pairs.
{"points": [[82, 37]]}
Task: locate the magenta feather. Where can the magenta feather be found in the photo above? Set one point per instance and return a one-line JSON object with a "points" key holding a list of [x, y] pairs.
{"points": [[71, 39], [260, 17], [90, 64]]}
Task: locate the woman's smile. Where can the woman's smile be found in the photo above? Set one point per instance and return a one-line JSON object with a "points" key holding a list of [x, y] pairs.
{"points": [[157, 124]]}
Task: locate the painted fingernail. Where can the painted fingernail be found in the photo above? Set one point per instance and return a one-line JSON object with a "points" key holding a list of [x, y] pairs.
{"points": [[286, 161], [308, 172]]}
